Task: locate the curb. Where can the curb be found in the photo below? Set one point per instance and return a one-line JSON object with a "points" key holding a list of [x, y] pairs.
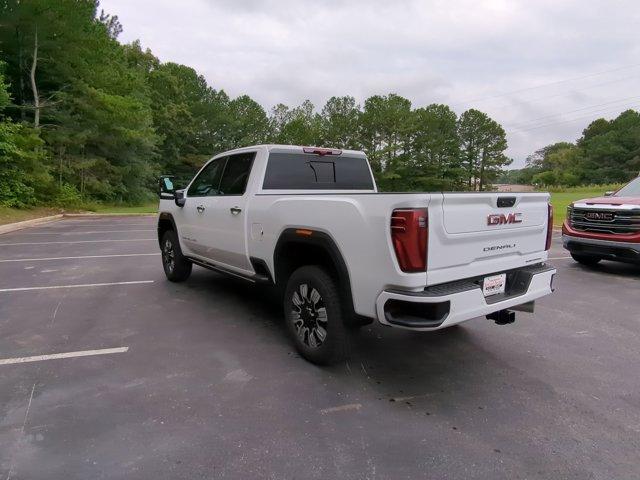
{"points": [[12, 227], [96, 215]]}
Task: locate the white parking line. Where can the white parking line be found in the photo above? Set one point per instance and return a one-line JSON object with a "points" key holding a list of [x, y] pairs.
{"points": [[99, 222], [24, 289], [341, 408], [81, 241], [84, 233], [7, 260], [83, 353], [558, 258]]}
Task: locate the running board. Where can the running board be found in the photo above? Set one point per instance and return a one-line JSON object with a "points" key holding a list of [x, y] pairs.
{"points": [[255, 278]]}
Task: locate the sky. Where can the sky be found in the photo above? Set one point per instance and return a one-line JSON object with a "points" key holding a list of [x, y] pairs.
{"points": [[543, 69]]}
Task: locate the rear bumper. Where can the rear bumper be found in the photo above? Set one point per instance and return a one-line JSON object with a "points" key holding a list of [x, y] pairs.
{"points": [[445, 305], [606, 249]]}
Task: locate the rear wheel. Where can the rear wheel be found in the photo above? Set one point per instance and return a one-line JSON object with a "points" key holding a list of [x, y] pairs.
{"points": [[176, 267], [313, 313], [586, 259]]}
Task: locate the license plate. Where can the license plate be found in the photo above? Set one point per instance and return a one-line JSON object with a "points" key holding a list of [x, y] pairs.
{"points": [[494, 284]]}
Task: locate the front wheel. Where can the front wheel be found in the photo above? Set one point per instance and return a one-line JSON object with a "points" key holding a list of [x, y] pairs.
{"points": [[176, 267], [586, 259], [313, 314]]}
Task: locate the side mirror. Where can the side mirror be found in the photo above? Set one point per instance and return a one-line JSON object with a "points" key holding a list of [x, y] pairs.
{"points": [[166, 187], [609, 193], [179, 198]]}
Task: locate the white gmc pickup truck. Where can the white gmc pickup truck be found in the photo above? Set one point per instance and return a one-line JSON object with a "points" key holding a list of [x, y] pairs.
{"points": [[310, 222]]}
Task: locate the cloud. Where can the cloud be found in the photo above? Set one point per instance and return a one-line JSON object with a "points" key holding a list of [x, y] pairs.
{"points": [[466, 53]]}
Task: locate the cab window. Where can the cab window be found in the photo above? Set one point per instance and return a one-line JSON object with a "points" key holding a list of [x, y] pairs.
{"points": [[236, 174], [207, 183]]}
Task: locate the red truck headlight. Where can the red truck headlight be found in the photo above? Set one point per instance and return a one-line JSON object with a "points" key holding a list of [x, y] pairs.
{"points": [[409, 235]]}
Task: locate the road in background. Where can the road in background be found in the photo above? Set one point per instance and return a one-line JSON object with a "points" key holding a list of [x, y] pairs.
{"points": [[198, 380]]}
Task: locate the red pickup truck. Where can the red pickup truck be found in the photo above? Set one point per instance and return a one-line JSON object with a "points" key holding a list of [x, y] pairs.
{"points": [[605, 228]]}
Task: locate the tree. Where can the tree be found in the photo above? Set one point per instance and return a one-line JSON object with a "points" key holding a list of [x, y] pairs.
{"points": [[248, 123], [435, 149], [20, 154], [612, 148], [339, 123], [483, 143], [607, 152], [385, 131], [297, 126]]}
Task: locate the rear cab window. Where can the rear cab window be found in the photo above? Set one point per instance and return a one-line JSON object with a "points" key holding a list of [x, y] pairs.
{"points": [[291, 170]]}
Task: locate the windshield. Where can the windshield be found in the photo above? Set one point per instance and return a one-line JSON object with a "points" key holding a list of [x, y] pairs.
{"points": [[632, 189]]}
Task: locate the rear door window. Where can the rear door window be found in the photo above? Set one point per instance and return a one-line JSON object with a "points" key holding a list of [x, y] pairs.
{"points": [[299, 171], [236, 174]]}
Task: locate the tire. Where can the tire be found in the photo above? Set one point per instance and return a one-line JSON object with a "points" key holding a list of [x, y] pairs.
{"points": [[176, 267], [315, 320], [586, 259]]}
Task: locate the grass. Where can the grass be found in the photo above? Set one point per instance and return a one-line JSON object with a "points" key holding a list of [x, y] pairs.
{"points": [[151, 207], [11, 215]]}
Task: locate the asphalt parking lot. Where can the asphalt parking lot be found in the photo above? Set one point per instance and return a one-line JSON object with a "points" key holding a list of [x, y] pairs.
{"points": [[198, 380]]}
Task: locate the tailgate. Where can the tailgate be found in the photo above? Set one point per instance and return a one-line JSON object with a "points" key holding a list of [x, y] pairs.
{"points": [[478, 233]]}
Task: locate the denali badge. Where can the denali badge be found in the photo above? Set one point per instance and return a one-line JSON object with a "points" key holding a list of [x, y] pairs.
{"points": [[499, 247], [501, 218], [605, 216]]}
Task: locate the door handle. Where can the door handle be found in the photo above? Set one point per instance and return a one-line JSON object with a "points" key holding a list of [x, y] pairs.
{"points": [[235, 210], [200, 208]]}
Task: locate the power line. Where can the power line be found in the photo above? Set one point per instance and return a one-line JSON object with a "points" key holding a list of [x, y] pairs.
{"points": [[533, 120], [590, 115], [582, 89], [573, 79]]}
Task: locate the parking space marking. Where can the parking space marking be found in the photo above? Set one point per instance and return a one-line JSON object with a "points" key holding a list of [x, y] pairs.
{"points": [[7, 260], [558, 258], [341, 408], [81, 241], [86, 233], [97, 222], [409, 397], [54, 356], [24, 289]]}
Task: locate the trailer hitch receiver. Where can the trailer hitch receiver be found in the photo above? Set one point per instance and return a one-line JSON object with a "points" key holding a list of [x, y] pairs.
{"points": [[502, 317]]}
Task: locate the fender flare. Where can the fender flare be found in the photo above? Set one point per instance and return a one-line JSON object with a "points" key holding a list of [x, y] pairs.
{"points": [[324, 241], [163, 217]]}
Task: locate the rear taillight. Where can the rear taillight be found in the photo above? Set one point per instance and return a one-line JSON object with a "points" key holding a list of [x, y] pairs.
{"points": [[549, 226], [409, 234]]}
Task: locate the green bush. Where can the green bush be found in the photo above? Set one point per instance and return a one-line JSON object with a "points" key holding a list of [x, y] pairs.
{"points": [[67, 196]]}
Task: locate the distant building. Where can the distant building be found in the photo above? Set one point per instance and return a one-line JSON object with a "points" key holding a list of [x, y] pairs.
{"points": [[512, 187]]}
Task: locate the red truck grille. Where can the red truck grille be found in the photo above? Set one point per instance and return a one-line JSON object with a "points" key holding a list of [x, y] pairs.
{"points": [[605, 220]]}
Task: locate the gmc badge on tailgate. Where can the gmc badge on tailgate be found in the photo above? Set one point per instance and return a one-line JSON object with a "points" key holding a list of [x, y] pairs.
{"points": [[502, 219]]}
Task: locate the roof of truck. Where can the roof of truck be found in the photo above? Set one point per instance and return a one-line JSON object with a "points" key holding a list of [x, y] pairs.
{"points": [[275, 146]]}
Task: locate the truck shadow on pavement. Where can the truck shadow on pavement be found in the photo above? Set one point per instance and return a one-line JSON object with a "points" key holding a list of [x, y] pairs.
{"points": [[397, 362], [609, 268]]}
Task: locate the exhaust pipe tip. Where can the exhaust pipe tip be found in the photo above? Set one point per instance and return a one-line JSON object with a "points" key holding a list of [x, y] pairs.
{"points": [[502, 317]]}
